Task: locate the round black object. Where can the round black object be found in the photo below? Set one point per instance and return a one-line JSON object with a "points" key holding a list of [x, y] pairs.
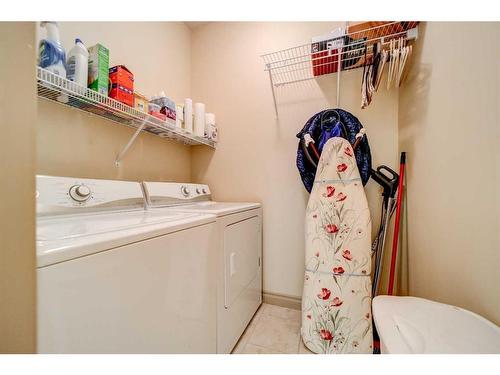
{"points": [[325, 124]]}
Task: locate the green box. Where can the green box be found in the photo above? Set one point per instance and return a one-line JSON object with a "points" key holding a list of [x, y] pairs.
{"points": [[99, 69]]}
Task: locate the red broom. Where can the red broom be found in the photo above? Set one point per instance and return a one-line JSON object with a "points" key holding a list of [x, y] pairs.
{"points": [[396, 224]]}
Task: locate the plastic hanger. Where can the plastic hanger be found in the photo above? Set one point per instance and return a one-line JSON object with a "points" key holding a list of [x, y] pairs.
{"points": [[402, 61], [391, 64], [395, 55], [405, 71]]}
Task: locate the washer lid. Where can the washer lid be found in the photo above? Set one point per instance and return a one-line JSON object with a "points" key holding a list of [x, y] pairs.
{"points": [[411, 325], [61, 238], [217, 208]]}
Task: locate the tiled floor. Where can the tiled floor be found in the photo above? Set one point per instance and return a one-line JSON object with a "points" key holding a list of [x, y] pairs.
{"points": [[273, 330]]}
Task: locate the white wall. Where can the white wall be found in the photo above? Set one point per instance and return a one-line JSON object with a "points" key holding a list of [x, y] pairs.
{"points": [[449, 125], [255, 160], [73, 143]]}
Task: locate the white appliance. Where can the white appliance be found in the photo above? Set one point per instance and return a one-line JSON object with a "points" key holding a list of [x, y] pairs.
{"points": [[411, 325], [239, 265], [114, 278]]}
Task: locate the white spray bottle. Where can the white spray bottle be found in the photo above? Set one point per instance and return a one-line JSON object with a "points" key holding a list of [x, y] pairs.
{"points": [[52, 56]]}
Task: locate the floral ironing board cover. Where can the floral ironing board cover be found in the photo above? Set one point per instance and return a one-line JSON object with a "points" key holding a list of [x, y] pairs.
{"points": [[336, 301]]}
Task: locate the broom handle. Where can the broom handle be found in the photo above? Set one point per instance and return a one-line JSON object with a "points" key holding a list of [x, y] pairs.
{"points": [[396, 224]]}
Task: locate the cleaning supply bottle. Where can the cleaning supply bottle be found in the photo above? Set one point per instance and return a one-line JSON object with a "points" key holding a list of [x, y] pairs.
{"points": [[77, 66], [52, 56]]}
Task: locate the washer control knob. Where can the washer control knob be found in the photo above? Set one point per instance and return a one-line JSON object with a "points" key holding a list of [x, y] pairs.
{"points": [[204, 190], [79, 193], [185, 191], [198, 191]]}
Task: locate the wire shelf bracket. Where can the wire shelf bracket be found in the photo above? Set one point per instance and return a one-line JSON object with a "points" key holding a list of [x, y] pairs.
{"points": [[351, 50], [129, 143], [63, 91]]}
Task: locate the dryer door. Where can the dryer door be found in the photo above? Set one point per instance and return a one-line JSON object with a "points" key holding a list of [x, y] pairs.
{"points": [[241, 257]]}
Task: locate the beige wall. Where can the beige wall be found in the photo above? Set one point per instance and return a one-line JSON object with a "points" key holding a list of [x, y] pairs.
{"points": [[72, 143], [255, 160], [17, 199], [449, 125]]}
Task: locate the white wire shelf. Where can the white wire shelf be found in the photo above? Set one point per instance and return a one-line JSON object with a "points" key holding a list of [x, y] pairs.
{"points": [[353, 49], [60, 90]]}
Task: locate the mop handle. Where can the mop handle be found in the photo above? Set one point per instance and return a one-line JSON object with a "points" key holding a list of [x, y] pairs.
{"points": [[396, 224]]}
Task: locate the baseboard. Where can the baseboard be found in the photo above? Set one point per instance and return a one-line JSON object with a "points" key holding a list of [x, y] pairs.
{"points": [[282, 300]]}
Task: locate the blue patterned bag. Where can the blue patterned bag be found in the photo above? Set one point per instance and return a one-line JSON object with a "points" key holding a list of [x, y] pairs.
{"points": [[325, 125]]}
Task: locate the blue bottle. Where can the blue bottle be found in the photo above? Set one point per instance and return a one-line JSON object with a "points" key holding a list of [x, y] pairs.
{"points": [[52, 56]]}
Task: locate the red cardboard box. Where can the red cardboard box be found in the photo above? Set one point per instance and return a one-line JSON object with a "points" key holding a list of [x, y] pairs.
{"points": [[122, 94], [324, 59], [122, 84], [120, 75]]}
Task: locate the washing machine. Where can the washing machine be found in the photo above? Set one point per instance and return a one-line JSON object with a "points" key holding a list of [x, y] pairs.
{"points": [[239, 265], [115, 278]]}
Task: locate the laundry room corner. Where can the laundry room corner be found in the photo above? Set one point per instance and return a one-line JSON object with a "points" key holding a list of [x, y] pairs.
{"points": [[450, 225], [255, 158]]}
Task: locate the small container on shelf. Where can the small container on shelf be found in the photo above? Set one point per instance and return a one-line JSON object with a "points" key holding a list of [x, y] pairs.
{"points": [[122, 94], [214, 136], [179, 116], [140, 102], [188, 115], [122, 84], [121, 75], [210, 128], [170, 112], [199, 119], [167, 105], [154, 110], [98, 74]]}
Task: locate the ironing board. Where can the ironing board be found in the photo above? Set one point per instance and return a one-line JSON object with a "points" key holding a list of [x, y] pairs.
{"points": [[336, 301]]}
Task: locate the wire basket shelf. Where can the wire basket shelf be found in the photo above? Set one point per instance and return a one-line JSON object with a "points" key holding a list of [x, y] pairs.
{"points": [[63, 91], [349, 51]]}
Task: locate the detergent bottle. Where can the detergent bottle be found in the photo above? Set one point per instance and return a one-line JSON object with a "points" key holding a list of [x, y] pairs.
{"points": [[78, 63], [52, 56]]}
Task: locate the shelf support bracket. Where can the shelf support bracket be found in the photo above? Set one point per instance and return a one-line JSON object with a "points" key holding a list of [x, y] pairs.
{"points": [[339, 65], [130, 142], [339, 68], [272, 89]]}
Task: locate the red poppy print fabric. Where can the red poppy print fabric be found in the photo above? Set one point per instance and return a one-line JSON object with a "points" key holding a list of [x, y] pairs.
{"points": [[326, 335], [324, 294], [336, 300], [341, 167], [330, 190], [332, 228]]}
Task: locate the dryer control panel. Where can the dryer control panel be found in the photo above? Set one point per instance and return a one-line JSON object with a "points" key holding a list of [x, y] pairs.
{"points": [[171, 193]]}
